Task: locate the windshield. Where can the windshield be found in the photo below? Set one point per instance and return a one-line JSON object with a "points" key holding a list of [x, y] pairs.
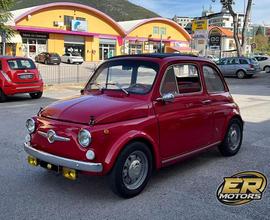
{"points": [[126, 75], [21, 64]]}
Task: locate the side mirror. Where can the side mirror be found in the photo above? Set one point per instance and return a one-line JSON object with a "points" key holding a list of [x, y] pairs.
{"points": [[82, 91], [168, 97]]}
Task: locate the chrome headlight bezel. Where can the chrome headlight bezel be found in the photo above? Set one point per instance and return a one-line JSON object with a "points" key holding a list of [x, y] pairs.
{"points": [[30, 125], [84, 138]]}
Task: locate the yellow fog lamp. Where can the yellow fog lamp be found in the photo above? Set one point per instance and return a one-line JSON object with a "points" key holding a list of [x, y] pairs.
{"points": [[69, 173], [32, 161]]}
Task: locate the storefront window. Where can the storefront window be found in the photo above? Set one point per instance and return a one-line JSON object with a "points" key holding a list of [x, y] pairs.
{"points": [[135, 49], [107, 49]]}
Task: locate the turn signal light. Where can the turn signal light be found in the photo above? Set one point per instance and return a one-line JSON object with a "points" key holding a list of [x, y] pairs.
{"points": [[32, 161]]}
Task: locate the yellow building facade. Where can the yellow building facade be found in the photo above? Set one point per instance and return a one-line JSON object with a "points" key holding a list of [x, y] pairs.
{"points": [[74, 28]]}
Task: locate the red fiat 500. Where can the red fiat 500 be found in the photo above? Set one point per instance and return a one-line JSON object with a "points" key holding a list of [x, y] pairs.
{"points": [[19, 75], [136, 114]]}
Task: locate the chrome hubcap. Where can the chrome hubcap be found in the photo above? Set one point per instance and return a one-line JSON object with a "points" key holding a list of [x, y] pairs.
{"points": [[234, 137], [135, 170]]}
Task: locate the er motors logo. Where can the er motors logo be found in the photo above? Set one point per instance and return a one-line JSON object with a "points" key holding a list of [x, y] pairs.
{"points": [[242, 188]]}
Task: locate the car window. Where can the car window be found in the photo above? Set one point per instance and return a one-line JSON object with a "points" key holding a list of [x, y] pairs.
{"points": [[181, 79], [212, 80], [243, 61], [169, 84], [18, 64], [135, 77]]}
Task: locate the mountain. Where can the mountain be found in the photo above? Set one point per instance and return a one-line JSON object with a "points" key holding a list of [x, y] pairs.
{"points": [[119, 10]]}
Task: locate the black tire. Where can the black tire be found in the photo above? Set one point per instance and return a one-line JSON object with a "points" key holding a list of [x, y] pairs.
{"points": [[3, 96], [226, 148], [267, 69], [68, 62], [116, 178], [36, 95], [46, 62], [241, 74]]}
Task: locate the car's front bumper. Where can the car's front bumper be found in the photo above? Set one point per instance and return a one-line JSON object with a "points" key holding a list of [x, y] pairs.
{"points": [[63, 162]]}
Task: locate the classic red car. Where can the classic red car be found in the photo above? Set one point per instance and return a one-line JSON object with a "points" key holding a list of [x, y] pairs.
{"points": [[19, 75], [136, 114]]}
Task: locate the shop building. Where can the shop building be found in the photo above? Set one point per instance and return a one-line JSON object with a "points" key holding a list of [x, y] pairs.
{"points": [[70, 27], [155, 35]]}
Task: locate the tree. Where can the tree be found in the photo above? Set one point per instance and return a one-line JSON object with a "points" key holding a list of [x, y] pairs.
{"points": [[5, 16], [240, 45]]}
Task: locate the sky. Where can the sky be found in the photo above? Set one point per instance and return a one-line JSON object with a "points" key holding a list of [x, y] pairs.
{"points": [[193, 8]]}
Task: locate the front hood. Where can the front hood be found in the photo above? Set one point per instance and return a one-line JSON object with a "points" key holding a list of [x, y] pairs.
{"points": [[102, 108]]}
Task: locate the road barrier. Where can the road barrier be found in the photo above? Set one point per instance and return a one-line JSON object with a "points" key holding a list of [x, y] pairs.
{"points": [[64, 73]]}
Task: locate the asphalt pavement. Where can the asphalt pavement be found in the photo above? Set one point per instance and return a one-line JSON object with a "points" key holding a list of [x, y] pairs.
{"points": [[186, 190]]}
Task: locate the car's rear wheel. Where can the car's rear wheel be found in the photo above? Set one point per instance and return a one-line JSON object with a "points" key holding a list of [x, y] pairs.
{"points": [[69, 61], [267, 69], [46, 62], [36, 95], [233, 139], [241, 74], [3, 96], [132, 170]]}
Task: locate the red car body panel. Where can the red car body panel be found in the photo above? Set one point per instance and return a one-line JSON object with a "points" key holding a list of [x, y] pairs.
{"points": [[18, 85], [172, 131]]}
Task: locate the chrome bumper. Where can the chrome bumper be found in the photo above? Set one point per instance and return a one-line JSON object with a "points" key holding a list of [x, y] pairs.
{"points": [[64, 162]]}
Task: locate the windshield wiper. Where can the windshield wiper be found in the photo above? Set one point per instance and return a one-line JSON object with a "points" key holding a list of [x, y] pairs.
{"points": [[119, 86]]}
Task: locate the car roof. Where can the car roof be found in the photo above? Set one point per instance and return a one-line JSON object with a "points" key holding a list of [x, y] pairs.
{"points": [[164, 56], [13, 57]]}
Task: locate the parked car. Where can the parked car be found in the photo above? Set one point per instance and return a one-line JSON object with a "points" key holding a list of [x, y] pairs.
{"points": [[241, 67], [19, 75], [48, 58], [72, 58], [137, 114], [264, 62], [213, 58]]}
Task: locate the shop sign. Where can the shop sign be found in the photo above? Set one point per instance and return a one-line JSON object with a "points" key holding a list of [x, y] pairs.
{"points": [[200, 25], [181, 44], [215, 38], [201, 34], [34, 35], [80, 26]]}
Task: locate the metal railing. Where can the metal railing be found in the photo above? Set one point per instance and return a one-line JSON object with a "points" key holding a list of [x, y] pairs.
{"points": [[64, 73]]}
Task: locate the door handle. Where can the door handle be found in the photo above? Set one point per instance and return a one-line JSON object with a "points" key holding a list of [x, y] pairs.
{"points": [[206, 102]]}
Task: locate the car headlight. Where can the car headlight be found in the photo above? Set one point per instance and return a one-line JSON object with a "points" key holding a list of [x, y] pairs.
{"points": [[31, 125], [84, 138]]}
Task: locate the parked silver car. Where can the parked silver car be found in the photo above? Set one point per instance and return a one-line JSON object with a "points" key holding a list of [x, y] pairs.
{"points": [[241, 67], [264, 62]]}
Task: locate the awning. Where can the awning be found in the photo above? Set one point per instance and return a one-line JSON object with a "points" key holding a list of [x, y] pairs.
{"points": [[13, 40]]}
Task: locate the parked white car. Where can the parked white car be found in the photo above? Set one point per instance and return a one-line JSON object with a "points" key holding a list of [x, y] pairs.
{"points": [[264, 62], [72, 58]]}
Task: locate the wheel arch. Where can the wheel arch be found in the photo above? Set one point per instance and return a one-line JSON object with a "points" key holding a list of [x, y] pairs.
{"points": [[132, 136]]}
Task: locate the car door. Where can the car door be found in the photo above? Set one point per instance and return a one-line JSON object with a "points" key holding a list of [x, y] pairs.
{"points": [[186, 123], [222, 64], [221, 100]]}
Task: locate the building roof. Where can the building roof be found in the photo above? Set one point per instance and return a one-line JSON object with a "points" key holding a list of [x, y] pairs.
{"points": [[127, 25], [224, 31], [18, 13]]}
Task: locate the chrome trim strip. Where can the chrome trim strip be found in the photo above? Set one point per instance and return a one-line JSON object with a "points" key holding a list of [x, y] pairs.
{"points": [[55, 137], [64, 162], [189, 153]]}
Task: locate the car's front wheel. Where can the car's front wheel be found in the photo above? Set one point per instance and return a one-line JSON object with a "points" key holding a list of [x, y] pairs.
{"points": [[132, 170], [233, 139], [36, 95]]}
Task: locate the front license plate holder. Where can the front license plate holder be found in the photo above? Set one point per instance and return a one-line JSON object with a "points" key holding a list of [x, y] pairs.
{"points": [[49, 166]]}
